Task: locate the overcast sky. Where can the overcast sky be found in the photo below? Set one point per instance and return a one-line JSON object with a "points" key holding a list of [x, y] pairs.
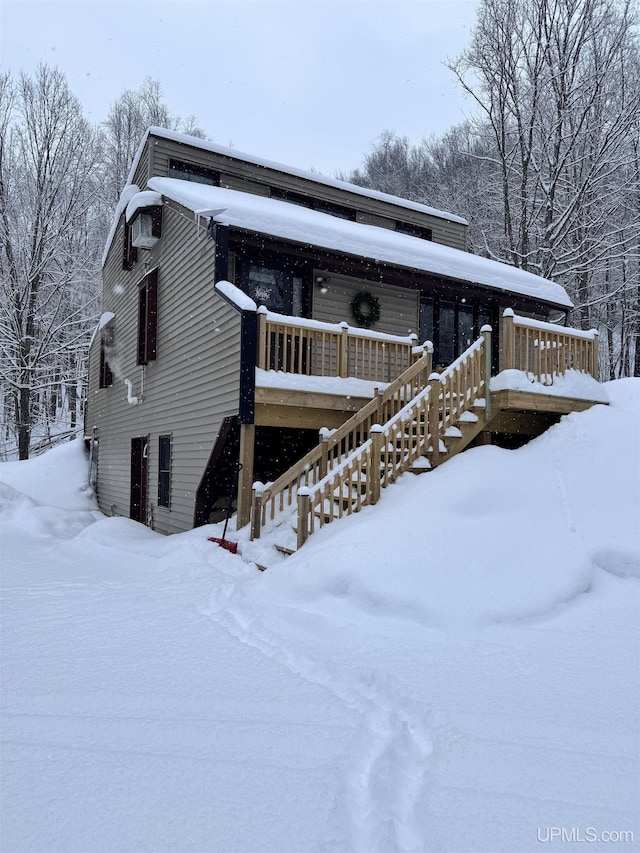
{"points": [[309, 83]]}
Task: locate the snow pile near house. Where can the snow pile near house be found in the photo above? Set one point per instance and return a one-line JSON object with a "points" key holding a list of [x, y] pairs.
{"points": [[493, 535], [58, 477], [573, 383]]}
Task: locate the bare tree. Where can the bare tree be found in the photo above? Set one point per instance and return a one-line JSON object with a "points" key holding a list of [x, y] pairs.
{"points": [[557, 88], [49, 156], [129, 117]]}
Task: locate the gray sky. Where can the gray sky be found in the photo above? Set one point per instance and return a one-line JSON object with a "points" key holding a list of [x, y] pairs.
{"points": [[309, 83]]}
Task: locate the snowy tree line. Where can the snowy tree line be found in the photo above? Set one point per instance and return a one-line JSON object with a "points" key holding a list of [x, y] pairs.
{"points": [[548, 175], [60, 178]]}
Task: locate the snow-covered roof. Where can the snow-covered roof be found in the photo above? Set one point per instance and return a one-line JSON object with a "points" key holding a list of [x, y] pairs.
{"points": [[205, 145], [310, 227]]}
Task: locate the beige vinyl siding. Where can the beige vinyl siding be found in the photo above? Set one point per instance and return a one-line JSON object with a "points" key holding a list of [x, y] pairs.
{"points": [[398, 305], [251, 177], [188, 390]]}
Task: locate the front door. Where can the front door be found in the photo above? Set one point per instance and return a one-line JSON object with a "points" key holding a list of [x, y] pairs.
{"points": [[139, 479]]}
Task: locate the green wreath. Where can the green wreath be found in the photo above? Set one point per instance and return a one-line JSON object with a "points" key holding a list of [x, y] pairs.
{"points": [[371, 304]]}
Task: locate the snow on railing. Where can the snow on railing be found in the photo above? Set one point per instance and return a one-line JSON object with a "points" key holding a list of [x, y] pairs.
{"points": [[544, 350]]}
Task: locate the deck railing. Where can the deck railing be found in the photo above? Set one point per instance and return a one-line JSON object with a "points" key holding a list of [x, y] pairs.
{"points": [[337, 444], [544, 350], [312, 348]]}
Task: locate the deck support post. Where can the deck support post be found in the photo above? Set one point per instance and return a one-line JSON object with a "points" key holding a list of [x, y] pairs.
{"points": [[304, 504], [376, 459], [434, 417], [486, 334], [245, 474]]}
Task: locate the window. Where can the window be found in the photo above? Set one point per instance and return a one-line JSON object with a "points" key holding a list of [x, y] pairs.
{"points": [[106, 352], [267, 285], [302, 200], [190, 172], [164, 471], [147, 317], [414, 230]]}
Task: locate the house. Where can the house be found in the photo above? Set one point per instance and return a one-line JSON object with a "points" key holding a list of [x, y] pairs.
{"points": [[246, 305]]}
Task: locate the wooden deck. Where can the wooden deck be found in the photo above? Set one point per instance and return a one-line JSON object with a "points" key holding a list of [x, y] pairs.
{"points": [[304, 409], [415, 420], [530, 414], [513, 411]]}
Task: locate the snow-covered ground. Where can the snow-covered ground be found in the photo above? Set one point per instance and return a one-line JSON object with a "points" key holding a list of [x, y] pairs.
{"points": [[456, 669]]}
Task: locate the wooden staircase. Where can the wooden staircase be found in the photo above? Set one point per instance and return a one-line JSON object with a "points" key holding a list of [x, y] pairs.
{"points": [[418, 422]]}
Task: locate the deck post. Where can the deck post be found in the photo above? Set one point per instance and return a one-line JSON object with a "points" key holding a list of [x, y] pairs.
{"points": [[428, 348], [508, 340], [378, 393], [343, 353], [245, 474], [256, 511], [262, 338], [304, 504], [486, 334], [434, 417], [595, 365], [376, 459], [324, 450]]}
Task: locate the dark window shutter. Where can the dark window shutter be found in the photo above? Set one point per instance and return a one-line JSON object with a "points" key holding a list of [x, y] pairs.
{"points": [[148, 318], [142, 324], [130, 253], [164, 471], [156, 221], [106, 344], [152, 315]]}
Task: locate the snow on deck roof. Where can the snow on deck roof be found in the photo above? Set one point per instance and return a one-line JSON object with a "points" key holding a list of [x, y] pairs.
{"points": [[310, 227], [205, 145]]}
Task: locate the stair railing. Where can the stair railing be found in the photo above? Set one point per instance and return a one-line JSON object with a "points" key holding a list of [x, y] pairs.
{"points": [[336, 444], [416, 430]]}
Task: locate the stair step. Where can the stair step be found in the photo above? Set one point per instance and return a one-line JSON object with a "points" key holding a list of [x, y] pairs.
{"points": [[284, 550]]}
